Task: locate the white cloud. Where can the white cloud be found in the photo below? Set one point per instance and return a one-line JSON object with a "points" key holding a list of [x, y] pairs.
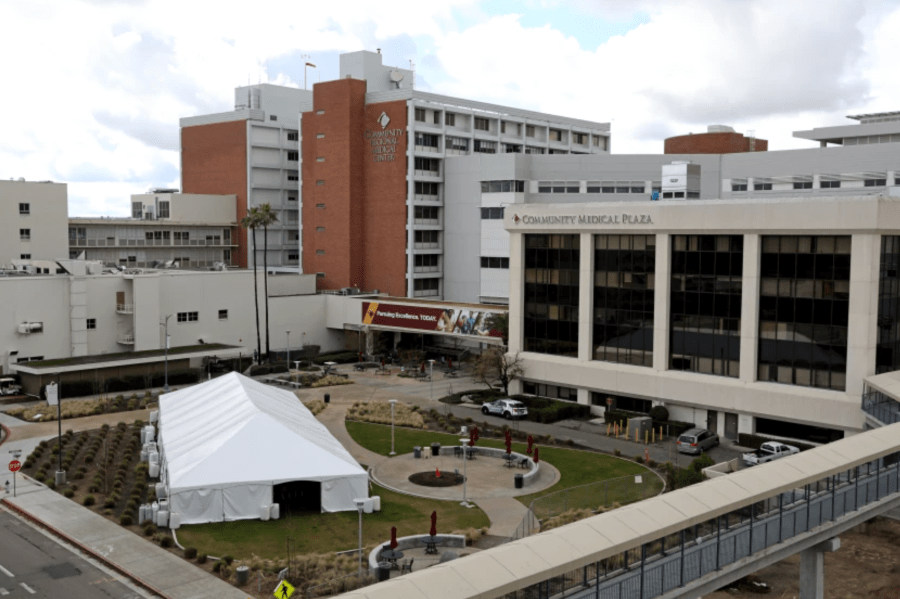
{"points": [[95, 89]]}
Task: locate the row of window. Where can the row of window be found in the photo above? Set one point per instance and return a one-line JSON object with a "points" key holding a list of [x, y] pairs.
{"points": [[492, 213], [484, 124], [502, 186], [804, 184], [592, 187], [493, 262]]}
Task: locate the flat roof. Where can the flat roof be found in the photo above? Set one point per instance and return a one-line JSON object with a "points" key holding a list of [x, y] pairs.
{"points": [[122, 358], [436, 303], [857, 117]]}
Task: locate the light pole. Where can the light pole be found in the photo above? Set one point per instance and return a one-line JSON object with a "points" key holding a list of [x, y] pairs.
{"points": [[359, 506], [166, 345], [465, 449], [288, 333], [431, 377], [60, 473], [392, 402]]}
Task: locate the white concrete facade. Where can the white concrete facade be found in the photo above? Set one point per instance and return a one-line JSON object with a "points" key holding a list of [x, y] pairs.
{"points": [[691, 396], [32, 220]]}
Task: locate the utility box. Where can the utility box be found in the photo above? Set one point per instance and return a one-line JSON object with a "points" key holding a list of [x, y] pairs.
{"points": [[640, 427]]}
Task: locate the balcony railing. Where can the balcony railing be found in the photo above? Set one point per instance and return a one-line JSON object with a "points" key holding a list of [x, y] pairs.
{"points": [[125, 308], [125, 339], [881, 407]]}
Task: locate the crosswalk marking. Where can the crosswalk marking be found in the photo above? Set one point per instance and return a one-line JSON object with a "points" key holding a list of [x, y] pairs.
{"points": [[27, 588], [3, 591], [7, 572]]}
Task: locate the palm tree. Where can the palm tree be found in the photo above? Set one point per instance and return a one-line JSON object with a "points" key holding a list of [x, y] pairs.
{"points": [[266, 216], [251, 221]]}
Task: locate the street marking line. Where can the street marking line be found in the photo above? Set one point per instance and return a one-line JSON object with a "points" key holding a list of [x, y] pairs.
{"points": [[7, 572], [28, 588], [3, 591]]}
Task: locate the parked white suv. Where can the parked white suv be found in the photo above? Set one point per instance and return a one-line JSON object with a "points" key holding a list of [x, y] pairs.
{"points": [[508, 408]]}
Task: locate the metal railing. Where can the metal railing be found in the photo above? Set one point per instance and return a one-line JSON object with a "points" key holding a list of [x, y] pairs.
{"points": [[881, 407], [125, 308], [670, 562]]}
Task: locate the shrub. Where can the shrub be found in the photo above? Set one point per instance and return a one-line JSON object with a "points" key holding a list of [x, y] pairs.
{"points": [[201, 558], [660, 413], [166, 541], [109, 502], [51, 484], [107, 512], [94, 489], [701, 462], [190, 552], [652, 463], [69, 493], [227, 559], [89, 500], [617, 453], [639, 459], [217, 567], [149, 529], [125, 520]]}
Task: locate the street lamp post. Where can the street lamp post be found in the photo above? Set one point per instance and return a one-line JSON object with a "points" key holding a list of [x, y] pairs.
{"points": [[360, 503], [431, 377], [166, 345], [392, 402], [60, 473], [288, 333], [465, 449]]}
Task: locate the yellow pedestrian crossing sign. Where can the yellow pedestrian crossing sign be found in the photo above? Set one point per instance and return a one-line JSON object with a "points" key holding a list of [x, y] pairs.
{"points": [[283, 590]]}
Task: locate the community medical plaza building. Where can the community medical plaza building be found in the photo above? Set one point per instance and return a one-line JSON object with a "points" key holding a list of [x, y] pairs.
{"points": [[750, 315]]}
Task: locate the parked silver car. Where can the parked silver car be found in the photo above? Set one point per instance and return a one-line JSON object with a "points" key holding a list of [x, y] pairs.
{"points": [[697, 440], [508, 408]]}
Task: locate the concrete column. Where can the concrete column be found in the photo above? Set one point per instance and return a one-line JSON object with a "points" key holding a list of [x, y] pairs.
{"points": [[812, 569], [586, 298], [516, 290], [750, 309], [410, 198], [662, 284], [862, 334]]}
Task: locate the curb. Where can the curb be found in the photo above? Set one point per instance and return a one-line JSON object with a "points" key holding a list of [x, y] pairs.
{"points": [[83, 548], [7, 436]]}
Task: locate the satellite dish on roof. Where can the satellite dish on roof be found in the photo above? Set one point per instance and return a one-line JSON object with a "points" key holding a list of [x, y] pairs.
{"points": [[396, 76]]}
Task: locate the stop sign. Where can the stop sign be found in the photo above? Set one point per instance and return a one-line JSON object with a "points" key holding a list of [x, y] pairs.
{"points": [[15, 466]]}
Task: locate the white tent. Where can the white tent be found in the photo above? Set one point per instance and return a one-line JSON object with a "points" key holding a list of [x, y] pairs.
{"points": [[226, 443]]}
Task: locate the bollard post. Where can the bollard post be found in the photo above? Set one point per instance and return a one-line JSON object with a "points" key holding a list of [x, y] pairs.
{"points": [[607, 429], [646, 437], [637, 438], [654, 435]]}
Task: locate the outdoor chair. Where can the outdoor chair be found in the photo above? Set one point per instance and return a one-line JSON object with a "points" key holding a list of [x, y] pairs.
{"points": [[406, 566], [523, 463]]}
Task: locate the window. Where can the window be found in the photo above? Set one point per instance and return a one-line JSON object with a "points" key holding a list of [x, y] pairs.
{"points": [[502, 186], [293, 136], [802, 184], [804, 298], [25, 234], [294, 156], [829, 184], [320, 159], [91, 324], [292, 197], [320, 275], [25, 256], [137, 210], [705, 303], [320, 182], [77, 235], [426, 140], [320, 112], [426, 286], [533, 150], [272, 117], [420, 115], [457, 144], [320, 206], [320, 136], [293, 176], [512, 148], [624, 283], [182, 235], [492, 262], [320, 229], [529, 130], [449, 119], [223, 314], [551, 292], [437, 117], [762, 187], [188, 317], [555, 135], [426, 189], [579, 138], [293, 257], [24, 208], [875, 182], [320, 252], [427, 238], [485, 147], [163, 209], [482, 124], [552, 391], [739, 187], [429, 261], [427, 164], [491, 213], [426, 213]]}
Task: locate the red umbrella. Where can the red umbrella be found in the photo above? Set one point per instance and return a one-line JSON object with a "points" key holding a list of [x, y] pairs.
{"points": [[530, 443], [393, 537], [471, 443], [508, 435], [433, 523], [536, 458], [508, 445], [450, 362], [475, 432], [423, 367]]}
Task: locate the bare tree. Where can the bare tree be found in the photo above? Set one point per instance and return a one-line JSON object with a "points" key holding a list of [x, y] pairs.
{"points": [[495, 367]]}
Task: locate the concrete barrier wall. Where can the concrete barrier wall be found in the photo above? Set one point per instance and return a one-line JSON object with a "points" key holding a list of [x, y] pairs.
{"points": [[492, 452]]}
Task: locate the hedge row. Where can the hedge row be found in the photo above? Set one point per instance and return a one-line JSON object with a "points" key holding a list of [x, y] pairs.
{"points": [[126, 383], [672, 428], [545, 410], [342, 357]]}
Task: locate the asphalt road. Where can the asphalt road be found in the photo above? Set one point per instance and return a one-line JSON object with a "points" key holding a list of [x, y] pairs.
{"points": [[34, 565]]}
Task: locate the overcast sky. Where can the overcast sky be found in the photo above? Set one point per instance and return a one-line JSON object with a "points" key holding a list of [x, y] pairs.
{"points": [[93, 89]]}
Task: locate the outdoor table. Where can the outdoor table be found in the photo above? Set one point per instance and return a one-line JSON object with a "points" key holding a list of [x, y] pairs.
{"points": [[510, 460], [392, 555], [431, 546], [297, 364]]}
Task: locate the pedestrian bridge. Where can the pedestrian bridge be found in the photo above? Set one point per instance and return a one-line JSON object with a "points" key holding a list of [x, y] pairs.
{"points": [[688, 542]]}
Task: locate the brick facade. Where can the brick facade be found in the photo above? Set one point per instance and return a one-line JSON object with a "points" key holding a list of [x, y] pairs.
{"points": [[354, 189], [712, 143], [214, 160]]}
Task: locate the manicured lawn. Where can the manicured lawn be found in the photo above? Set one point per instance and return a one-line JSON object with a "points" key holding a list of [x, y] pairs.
{"points": [[576, 467], [321, 533]]}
